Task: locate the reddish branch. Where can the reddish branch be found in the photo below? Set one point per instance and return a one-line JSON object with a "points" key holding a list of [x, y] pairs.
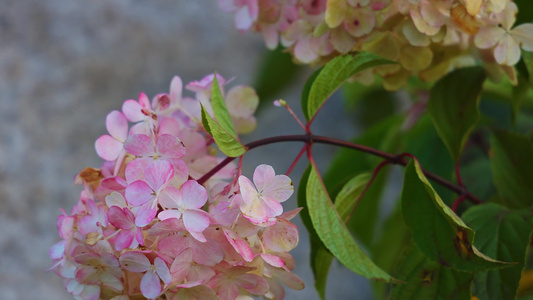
{"points": [[309, 139]]}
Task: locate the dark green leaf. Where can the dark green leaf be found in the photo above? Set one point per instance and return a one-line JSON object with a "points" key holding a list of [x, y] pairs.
{"points": [[511, 163], [320, 258], [347, 197], [334, 234], [504, 235], [226, 142], [333, 75], [453, 106], [525, 11], [306, 90], [437, 231], [426, 279]]}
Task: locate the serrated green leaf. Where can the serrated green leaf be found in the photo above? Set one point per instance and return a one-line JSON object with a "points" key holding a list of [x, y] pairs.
{"points": [[347, 197], [437, 231], [334, 233], [453, 106], [511, 163], [504, 235], [426, 279], [226, 142], [333, 75], [319, 258], [220, 110]]}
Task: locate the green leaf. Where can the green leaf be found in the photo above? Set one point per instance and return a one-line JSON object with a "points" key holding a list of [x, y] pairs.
{"points": [[306, 90], [333, 75], [347, 197], [427, 279], [226, 142], [320, 258], [525, 11], [276, 72], [395, 238], [511, 163], [221, 110], [334, 233], [453, 106], [504, 235], [437, 231]]}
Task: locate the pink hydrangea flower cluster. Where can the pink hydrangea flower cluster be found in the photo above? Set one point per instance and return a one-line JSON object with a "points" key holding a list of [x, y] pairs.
{"points": [[144, 225], [427, 37]]}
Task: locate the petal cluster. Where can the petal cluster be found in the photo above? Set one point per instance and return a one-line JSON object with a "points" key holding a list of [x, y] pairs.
{"points": [[144, 225], [428, 38]]}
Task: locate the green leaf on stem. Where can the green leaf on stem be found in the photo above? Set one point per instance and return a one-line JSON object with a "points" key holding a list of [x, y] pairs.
{"points": [[437, 231], [426, 279], [511, 163], [306, 90], [503, 234], [333, 75], [453, 106], [347, 197], [320, 258], [334, 234], [226, 142], [221, 110]]}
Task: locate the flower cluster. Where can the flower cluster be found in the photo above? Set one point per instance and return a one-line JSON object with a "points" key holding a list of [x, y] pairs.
{"points": [[148, 224], [428, 38]]}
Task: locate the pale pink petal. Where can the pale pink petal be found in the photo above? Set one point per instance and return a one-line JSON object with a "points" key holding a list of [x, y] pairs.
{"points": [[134, 262], [150, 285], [289, 215], [115, 199], [193, 195], [282, 237], [272, 207], [144, 101], [359, 22], [242, 101], [90, 292], [253, 283], [280, 189], [170, 197], [57, 250], [199, 236], [135, 169], [248, 191], [304, 52], [123, 240], [263, 176], [415, 37], [176, 89], [272, 260], [170, 146], [167, 214], [158, 173], [508, 17], [117, 125], [161, 102], [87, 275], [488, 37], [119, 218], [138, 193], [181, 172], [195, 220], [165, 227], [421, 24], [132, 111], [162, 270], [271, 37], [111, 281], [145, 214], [229, 290], [114, 183], [290, 279], [108, 147], [239, 245], [523, 35], [431, 14], [139, 145], [243, 20], [341, 40], [507, 51]]}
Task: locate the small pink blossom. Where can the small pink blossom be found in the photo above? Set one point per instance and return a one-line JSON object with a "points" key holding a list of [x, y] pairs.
{"points": [[137, 262], [110, 147]]}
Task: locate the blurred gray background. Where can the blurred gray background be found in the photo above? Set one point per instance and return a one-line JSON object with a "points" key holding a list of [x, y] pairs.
{"points": [[64, 64]]}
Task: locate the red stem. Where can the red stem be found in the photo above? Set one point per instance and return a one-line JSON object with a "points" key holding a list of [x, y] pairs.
{"points": [[309, 138], [296, 160]]}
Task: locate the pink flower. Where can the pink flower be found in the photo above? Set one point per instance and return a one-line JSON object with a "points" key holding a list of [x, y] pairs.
{"points": [[261, 200], [186, 202], [137, 262], [130, 236], [228, 282], [146, 193], [110, 147], [247, 12], [99, 269]]}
